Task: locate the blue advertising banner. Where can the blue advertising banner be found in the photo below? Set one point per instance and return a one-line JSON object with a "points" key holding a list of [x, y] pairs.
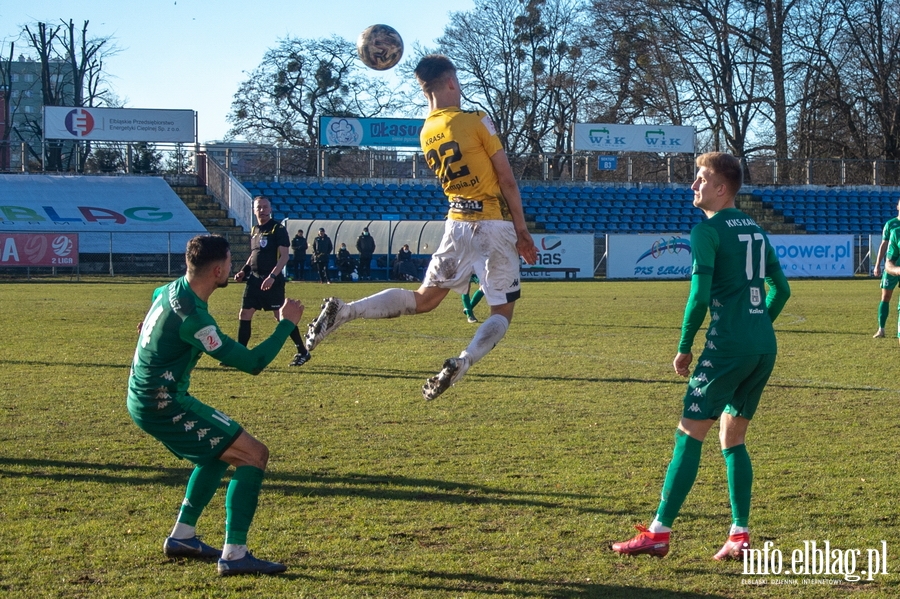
{"points": [[346, 131], [139, 215]]}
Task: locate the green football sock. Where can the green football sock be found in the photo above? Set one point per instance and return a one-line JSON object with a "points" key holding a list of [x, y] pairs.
{"points": [[680, 477], [241, 502], [204, 483], [467, 303], [476, 297], [740, 482], [883, 309]]}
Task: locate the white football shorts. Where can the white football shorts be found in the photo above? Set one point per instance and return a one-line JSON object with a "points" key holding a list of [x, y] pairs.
{"points": [[486, 248]]}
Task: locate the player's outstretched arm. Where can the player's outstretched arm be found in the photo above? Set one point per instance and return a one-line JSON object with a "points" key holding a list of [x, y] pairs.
{"points": [[510, 190], [253, 361]]}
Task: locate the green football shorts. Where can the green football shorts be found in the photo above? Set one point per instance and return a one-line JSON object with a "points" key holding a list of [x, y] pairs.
{"points": [[888, 281], [190, 429], [733, 385]]}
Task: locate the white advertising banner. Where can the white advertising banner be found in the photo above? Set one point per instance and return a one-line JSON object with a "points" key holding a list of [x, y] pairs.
{"points": [[814, 255], [666, 256], [669, 256], [139, 215], [119, 124], [634, 138], [562, 256]]}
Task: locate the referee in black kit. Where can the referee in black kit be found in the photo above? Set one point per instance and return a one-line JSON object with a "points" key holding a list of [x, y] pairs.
{"points": [[270, 249]]}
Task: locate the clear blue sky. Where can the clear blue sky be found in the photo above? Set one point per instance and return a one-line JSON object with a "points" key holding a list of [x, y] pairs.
{"points": [[193, 54]]}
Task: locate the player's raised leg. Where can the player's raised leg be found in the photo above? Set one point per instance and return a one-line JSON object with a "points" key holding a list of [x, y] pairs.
{"points": [[390, 303]]}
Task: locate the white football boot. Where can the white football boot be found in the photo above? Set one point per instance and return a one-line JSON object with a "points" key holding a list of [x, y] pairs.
{"points": [[334, 313], [453, 370]]}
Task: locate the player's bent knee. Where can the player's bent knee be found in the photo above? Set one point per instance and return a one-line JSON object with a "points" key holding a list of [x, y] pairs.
{"points": [[247, 451]]}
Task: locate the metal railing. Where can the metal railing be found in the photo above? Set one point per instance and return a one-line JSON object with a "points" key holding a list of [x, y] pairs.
{"points": [[229, 192], [257, 162]]}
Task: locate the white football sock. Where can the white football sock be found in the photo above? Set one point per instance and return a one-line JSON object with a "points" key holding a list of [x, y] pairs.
{"points": [[736, 530], [183, 531], [389, 303], [656, 526], [232, 552], [486, 337]]}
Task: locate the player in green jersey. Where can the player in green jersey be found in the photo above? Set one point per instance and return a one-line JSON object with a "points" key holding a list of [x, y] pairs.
{"points": [[177, 330], [733, 261], [888, 281], [892, 259]]}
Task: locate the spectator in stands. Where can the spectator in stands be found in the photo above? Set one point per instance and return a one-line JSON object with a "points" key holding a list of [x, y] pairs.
{"points": [[264, 273], [485, 231], [299, 247], [888, 281], [404, 267], [322, 248], [345, 263], [365, 245]]}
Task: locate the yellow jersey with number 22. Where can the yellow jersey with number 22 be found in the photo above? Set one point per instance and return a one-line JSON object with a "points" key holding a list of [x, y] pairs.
{"points": [[458, 146]]}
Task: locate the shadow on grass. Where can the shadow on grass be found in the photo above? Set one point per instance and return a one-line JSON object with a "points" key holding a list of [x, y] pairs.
{"points": [[396, 488], [455, 582], [421, 375], [46, 364]]}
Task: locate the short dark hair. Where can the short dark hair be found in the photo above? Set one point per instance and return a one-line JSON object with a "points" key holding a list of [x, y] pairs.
{"points": [[203, 250], [726, 166], [432, 69], [261, 197]]}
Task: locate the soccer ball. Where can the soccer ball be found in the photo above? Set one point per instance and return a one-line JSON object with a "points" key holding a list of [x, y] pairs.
{"points": [[380, 47]]}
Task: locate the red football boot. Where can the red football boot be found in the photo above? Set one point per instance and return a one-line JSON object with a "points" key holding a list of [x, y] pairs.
{"points": [[649, 543], [734, 547]]}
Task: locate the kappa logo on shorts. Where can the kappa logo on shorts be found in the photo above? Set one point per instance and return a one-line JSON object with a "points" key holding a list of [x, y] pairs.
{"points": [[710, 345], [713, 332], [706, 364], [176, 419], [189, 425], [162, 404], [701, 377], [515, 284], [697, 393], [214, 441], [694, 408], [202, 433], [716, 303], [168, 376], [714, 316], [163, 395]]}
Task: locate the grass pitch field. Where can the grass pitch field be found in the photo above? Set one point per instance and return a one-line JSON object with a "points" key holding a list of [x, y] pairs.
{"points": [[512, 484]]}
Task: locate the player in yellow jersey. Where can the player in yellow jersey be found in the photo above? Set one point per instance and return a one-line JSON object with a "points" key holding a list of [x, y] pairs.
{"points": [[485, 232]]}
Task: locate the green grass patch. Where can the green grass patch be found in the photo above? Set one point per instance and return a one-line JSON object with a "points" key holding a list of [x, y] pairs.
{"points": [[512, 484]]}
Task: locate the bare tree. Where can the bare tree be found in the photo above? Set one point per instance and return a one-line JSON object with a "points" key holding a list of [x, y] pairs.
{"points": [[6, 99], [530, 65], [297, 82], [71, 74]]}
